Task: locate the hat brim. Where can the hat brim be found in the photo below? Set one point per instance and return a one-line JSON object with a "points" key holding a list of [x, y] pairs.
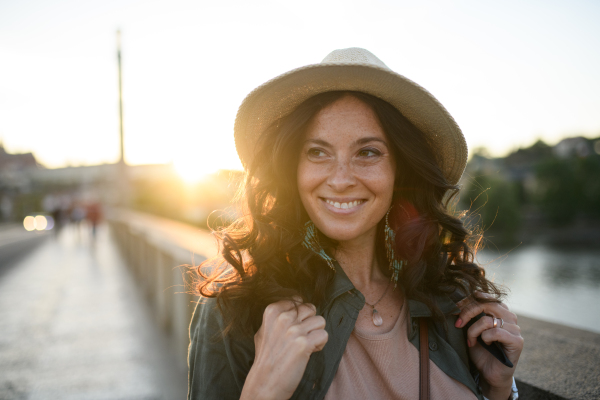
{"points": [[280, 96]]}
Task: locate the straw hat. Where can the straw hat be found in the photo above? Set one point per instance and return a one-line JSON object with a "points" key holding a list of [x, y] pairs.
{"points": [[352, 69]]}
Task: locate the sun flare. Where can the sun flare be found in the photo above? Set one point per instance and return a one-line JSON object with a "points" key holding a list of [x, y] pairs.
{"points": [[193, 170]]}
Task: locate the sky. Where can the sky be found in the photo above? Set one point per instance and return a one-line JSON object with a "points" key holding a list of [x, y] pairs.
{"points": [[510, 73]]}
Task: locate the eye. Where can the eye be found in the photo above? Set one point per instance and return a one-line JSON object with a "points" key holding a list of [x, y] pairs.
{"points": [[316, 153], [368, 153]]}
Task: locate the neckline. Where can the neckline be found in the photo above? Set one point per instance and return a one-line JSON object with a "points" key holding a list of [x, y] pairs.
{"points": [[386, 335]]}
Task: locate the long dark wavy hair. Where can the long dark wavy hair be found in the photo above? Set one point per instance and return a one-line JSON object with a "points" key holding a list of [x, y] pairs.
{"points": [[262, 253]]}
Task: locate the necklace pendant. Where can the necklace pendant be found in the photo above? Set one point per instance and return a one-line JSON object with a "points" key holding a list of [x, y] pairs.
{"points": [[377, 320]]}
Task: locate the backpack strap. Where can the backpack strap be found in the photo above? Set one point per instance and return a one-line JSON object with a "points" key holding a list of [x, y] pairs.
{"points": [[495, 348]]}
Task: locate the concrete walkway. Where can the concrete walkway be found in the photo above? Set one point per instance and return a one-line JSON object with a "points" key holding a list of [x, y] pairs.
{"points": [[73, 325]]}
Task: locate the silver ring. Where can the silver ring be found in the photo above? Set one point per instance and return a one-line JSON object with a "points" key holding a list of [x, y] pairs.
{"points": [[496, 322]]}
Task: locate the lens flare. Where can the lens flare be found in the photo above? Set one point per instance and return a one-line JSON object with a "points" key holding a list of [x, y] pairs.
{"points": [[50, 223], [29, 223], [40, 223], [192, 170]]}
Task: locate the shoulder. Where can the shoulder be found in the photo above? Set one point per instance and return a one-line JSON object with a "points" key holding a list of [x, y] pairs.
{"points": [[207, 318], [218, 363]]}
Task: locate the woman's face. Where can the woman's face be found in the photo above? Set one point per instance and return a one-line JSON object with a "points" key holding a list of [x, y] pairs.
{"points": [[346, 171]]}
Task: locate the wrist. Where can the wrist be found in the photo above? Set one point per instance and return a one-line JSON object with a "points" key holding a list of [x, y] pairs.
{"points": [[255, 389], [501, 392]]}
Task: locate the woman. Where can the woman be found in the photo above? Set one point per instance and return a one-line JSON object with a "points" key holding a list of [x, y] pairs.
{"points": [[342, 280]]}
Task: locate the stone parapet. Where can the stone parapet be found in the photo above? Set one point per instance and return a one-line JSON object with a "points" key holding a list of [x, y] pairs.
{"points": [[159, 253], [558, 362]]}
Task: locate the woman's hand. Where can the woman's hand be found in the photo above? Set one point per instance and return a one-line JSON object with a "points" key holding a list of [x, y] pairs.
{"points": [[284, 343], [496, 378]]}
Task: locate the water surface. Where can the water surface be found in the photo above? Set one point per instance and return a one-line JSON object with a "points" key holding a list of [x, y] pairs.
{"points": [[557, 285]]}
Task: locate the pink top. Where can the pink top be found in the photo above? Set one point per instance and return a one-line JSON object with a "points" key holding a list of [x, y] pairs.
{"points": [[386, 366]]}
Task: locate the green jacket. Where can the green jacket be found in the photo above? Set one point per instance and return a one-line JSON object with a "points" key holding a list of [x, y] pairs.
{"points": [[218, 365]]}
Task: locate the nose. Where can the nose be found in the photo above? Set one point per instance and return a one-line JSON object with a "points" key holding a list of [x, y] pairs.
{"points": [[341, 177]]}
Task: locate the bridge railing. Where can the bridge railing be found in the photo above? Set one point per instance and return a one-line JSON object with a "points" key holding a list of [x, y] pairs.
{"points": [[159, 252]]}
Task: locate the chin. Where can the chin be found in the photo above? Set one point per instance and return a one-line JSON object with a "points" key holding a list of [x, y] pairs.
{"points": [[343, 234]]}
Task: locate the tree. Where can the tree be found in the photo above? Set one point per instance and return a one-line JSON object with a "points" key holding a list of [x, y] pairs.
{"points": [[568, 188], [496, 202]]}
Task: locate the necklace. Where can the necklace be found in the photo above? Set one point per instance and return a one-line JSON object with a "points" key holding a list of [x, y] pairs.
{"points": [[377, 320]]}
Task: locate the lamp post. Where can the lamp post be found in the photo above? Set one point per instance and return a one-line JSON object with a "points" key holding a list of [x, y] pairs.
{"points": [[123, 188], [122, 158]]}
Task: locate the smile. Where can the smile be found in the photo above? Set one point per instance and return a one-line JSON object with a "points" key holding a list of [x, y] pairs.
{"points": [[345, 205]]}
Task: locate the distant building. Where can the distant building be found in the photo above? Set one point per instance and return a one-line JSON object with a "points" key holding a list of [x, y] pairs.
{"points": [[16, 161], [15, 170], [573, 147], [90, 174]]}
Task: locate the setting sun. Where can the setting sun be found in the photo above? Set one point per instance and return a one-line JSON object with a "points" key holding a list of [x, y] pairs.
{"points": [[193, 169]]}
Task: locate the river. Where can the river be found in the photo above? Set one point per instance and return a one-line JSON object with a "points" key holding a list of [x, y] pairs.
{"points": [[557, 285]]}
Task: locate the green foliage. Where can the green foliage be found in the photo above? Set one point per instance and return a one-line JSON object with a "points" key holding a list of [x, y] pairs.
{"points": [[496, 202], [553, 186], [567, 188]]}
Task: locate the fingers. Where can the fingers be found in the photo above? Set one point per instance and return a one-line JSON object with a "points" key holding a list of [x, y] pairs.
{"points": [[273, 310], [512, 343], [484, 323], [292, 320], [304, 327], [313, 323], [291, 331], [288, 311], [317, 339], [484, 327], [305, 311], [474, 308]]}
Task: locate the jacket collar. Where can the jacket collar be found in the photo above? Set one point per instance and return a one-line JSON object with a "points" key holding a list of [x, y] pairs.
{"points": [[341, 284]]}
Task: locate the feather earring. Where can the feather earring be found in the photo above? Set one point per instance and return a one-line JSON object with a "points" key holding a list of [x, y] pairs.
{"points": [[390, 245], [311, 242]]}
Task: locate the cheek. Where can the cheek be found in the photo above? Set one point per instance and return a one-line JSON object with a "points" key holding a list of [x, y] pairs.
{"points": [[307, 179], [380, 181]]}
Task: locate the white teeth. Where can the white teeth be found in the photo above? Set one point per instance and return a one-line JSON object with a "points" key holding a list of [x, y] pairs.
{"points": [[351, 204]]}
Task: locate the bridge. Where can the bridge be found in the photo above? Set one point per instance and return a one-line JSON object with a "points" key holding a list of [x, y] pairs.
{"points": [[106, 317]]}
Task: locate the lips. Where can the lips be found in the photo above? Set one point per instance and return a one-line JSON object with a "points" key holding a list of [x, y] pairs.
{"points": [[344, 205]]}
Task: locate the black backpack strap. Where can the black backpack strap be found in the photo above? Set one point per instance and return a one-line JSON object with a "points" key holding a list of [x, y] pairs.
{"points": [[495, 348]]}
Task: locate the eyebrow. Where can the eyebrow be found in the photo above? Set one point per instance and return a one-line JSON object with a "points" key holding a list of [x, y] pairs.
{"points": [[319, 142], [371, 139], [358, 142]]}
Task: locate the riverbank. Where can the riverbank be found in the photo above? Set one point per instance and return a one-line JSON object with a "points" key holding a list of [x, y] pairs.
{"points": [[581, 233], [535, 230]]}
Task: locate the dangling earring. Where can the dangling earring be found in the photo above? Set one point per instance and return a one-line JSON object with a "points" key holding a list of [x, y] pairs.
{"points": [[312, 243], [390, 245]]}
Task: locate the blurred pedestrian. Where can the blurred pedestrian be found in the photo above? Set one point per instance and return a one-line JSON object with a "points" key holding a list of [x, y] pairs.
{"points": [[94, 216], [78, 214]]}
